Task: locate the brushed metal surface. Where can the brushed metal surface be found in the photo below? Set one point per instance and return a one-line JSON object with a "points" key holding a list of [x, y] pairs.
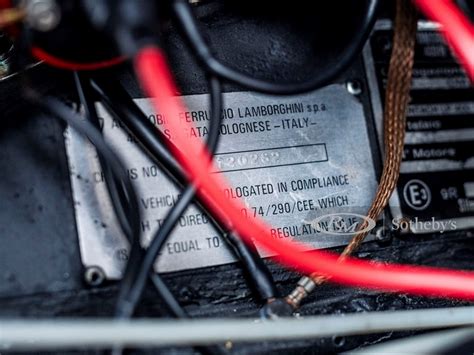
{"points": [[292, 159]]}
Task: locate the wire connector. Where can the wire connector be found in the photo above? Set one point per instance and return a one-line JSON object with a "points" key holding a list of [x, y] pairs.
{"points": [[304, 287]]}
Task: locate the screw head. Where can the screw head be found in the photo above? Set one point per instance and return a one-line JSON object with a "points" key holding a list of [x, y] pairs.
{"points": [[354, 87], [43, 15], [338, 341], [383, 234], [94, 276]]}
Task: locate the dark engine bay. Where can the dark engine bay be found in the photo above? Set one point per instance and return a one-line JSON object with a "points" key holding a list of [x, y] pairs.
{"points": [[337, 214]]}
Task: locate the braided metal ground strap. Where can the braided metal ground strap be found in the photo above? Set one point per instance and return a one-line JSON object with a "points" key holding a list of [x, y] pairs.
{"points": [[396, 103]]}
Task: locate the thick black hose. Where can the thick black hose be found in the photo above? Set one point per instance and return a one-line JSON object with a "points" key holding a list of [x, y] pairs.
{"points": [[185, 17]]}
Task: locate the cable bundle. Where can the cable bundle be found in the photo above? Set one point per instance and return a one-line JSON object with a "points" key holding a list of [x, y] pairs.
{"points": [[190, 165]]}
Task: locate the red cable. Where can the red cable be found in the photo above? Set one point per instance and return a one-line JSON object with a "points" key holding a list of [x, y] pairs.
{"points": [[5, 4], [456, 28], [154, 74], [57, 62], [157, 81]]}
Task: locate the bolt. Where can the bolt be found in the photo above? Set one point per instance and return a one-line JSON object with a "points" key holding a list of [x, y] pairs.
{"points": [[383, 234], [338, 341], [94, 276], [354, 87], [43, 15]]}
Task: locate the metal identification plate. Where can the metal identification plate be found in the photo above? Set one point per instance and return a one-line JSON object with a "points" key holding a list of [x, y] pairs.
{"points": [[291, 159], [436, 185]]}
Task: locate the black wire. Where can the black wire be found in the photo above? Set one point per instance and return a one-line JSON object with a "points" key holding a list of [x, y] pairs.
{"points": [[467, 7], [185, 17], [119, 103], [125, 202], [135, 277], [153, 141], [60, 110], [121, 205], [119, 201], [129, 219], [139, 269]]}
